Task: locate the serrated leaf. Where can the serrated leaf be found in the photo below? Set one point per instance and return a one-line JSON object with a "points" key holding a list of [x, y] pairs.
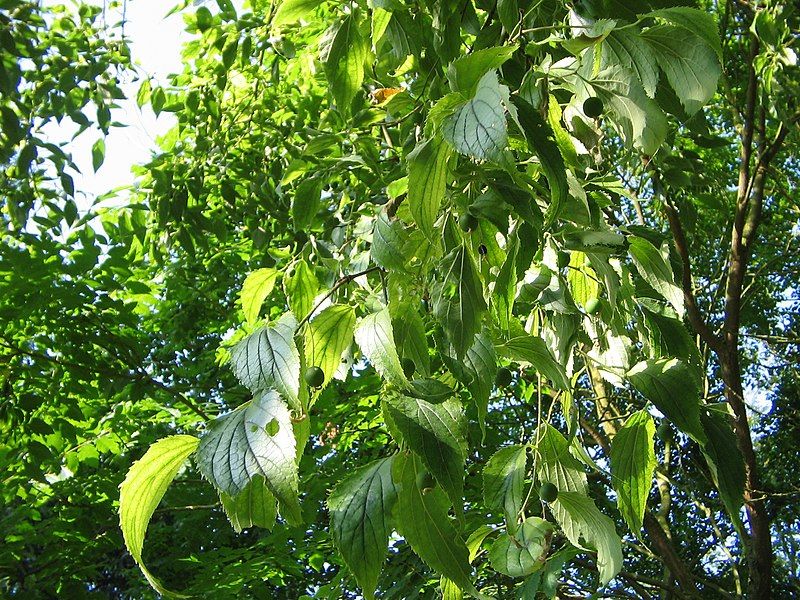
{"points": [[534, 351], [556, 465], [327, 336], [629, 50], [656, 271], [430, 390], [699, 22], [669, 385], [427, 181], [144, 486], [237, 447], [437, 433], [525, 552], [541, 141], [268, 358], [504, 481], [290, 11], [422, 520], [598, 531], [375, 338], [344, 64], [637, 118], [465, 73], [458, 299], [633, 462], [388, 241], [691, 66], [255, 289], [360, 511], [301, 288], [724, 457], [255, 506], [478, 128]]}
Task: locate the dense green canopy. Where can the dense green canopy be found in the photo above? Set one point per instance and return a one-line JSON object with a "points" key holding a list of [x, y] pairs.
{"points": [[450, 298]]}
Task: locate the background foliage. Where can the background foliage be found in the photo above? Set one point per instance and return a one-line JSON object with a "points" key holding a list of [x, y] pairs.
{"points": [[370, 187]]}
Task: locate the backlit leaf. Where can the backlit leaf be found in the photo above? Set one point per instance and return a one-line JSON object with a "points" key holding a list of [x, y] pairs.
{"points": [[142, 490]]}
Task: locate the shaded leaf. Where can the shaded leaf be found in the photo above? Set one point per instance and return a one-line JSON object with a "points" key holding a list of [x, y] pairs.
{"points": [[360, 510], [422, 520], [255, 506], [437, 433], [669, 385]]}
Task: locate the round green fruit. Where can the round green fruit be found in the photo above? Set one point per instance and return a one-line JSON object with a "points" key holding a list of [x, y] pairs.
{"points": [[548, 492], [563, 260], [503, 377], [408, 367], [592, 306], [468, 222], [314, 377], [593, 107], [663, 430]]}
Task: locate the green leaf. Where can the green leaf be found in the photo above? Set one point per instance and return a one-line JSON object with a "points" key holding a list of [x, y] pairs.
{"points": [[268, 358], [466, 72], [534, 351], [556, 465], [306, 203], [360, 511], [301, 287], [422, 520], [699, 22], [327, 336], [344, 64], [505, 286], [255, 289], [633, 462], [508, 12], [724, 457], [541, 141], [598, 531], [255, 506], [458, 299], [430, 390], [504, 481], [691, 66], [637, 118], [375, 338], [142, 490], [255, 439], [437, 433], [388, 241], [629, 50], [477, 128], [410, 335], [98, 154], [525, 552], [670, 386], [656, 271], [427, 180], [291, 11]]}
